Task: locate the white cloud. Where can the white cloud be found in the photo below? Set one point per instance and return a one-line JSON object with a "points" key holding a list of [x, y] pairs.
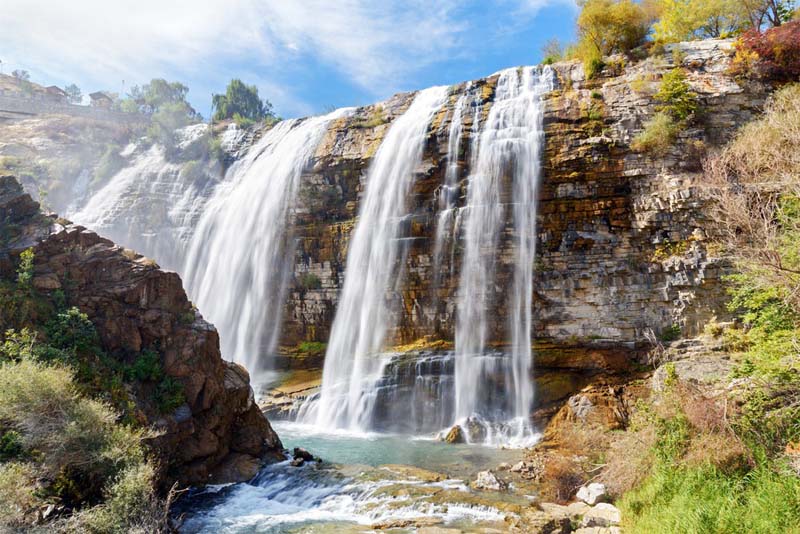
{"points": [[102, 42]]}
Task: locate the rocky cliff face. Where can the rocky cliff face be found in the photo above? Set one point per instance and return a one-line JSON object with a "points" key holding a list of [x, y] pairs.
{"points": [[621, 235], [219, 434]]}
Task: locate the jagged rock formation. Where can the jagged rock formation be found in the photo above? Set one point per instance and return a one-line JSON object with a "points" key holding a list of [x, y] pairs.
{"points": [[219, 434]]}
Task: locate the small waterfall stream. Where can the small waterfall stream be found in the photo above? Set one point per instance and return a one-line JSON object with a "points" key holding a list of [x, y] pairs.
{"points": [[353, 363], [448, 194], [240, 254]]}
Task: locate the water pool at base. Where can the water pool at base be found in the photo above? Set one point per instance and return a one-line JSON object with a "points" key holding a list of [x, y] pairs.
{"points": [[365, 482]]}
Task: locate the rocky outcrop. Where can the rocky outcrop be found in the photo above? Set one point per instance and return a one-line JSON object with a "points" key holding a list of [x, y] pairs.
{"points": [[219, 434], [621, 234]]}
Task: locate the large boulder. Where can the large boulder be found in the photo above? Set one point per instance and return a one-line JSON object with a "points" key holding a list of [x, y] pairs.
{"points": [[219, 434]]}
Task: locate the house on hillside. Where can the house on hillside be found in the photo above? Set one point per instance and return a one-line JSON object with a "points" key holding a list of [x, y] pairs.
{"points": [[101, 100], [56, 94]]}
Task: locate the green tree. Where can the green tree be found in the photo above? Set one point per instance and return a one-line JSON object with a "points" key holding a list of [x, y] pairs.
{"points": [[158, 94], [606, 27], [763, 13], [74, 95], [684, 20], [242, 101], [21, 75], [166, 103]]}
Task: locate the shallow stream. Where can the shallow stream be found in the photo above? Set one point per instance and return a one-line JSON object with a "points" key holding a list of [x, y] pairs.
{"points": [[365, 482]]}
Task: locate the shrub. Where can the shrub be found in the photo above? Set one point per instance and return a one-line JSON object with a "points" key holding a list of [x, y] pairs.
{"points": [[25, 269], [80, 450], [658, 136], [72, 330], [773, 54], [10, 445], [756, 192], [17, 496], [677, 106], [676, 97], [310, 281], [169, 395], [147, 366], [561, 479], [671, 333], [130, 505]]}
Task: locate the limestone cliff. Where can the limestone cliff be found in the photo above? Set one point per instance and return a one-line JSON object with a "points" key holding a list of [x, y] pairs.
{"points": [[219, 434], [621, 234]]}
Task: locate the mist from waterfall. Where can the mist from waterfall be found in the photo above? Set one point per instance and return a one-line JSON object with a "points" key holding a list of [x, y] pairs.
{"points": [[353, 361], [510, 145], [240, 255], [151, 204]]}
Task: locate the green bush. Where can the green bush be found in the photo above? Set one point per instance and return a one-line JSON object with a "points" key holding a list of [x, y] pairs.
{"points": [[72, 330], [17, 494], [81, 451], [169, 395], [25, 269], [10, 445], [658, 136], [130, 506], [676, 97], [146, 367], [310, 281]]}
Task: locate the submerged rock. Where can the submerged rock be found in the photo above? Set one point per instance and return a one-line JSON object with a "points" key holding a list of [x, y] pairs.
{"points": [[456, 435]]}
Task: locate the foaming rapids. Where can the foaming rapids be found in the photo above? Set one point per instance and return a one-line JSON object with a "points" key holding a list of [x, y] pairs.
{"points": [[282, 498], [240, 254]]}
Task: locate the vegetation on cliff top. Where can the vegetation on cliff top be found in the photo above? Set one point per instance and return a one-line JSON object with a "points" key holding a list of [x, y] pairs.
{"points": [[606, 27]]}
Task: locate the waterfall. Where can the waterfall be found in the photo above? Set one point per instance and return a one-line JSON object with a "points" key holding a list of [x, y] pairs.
{"points": [[239, 256], [353, 363], [510, 145], [448, 194], [151, 204]]}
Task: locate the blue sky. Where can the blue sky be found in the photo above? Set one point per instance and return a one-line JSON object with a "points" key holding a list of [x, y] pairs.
{"points": [[306, 56]]}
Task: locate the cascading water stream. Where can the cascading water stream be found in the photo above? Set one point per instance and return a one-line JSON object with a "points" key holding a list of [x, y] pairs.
{"points": [[239, 255], [448, 194], [151, 204], [510, 144], [353, 363]]}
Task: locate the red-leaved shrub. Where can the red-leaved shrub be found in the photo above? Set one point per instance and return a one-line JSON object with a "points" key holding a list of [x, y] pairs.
{"points": [[773, 54]]}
